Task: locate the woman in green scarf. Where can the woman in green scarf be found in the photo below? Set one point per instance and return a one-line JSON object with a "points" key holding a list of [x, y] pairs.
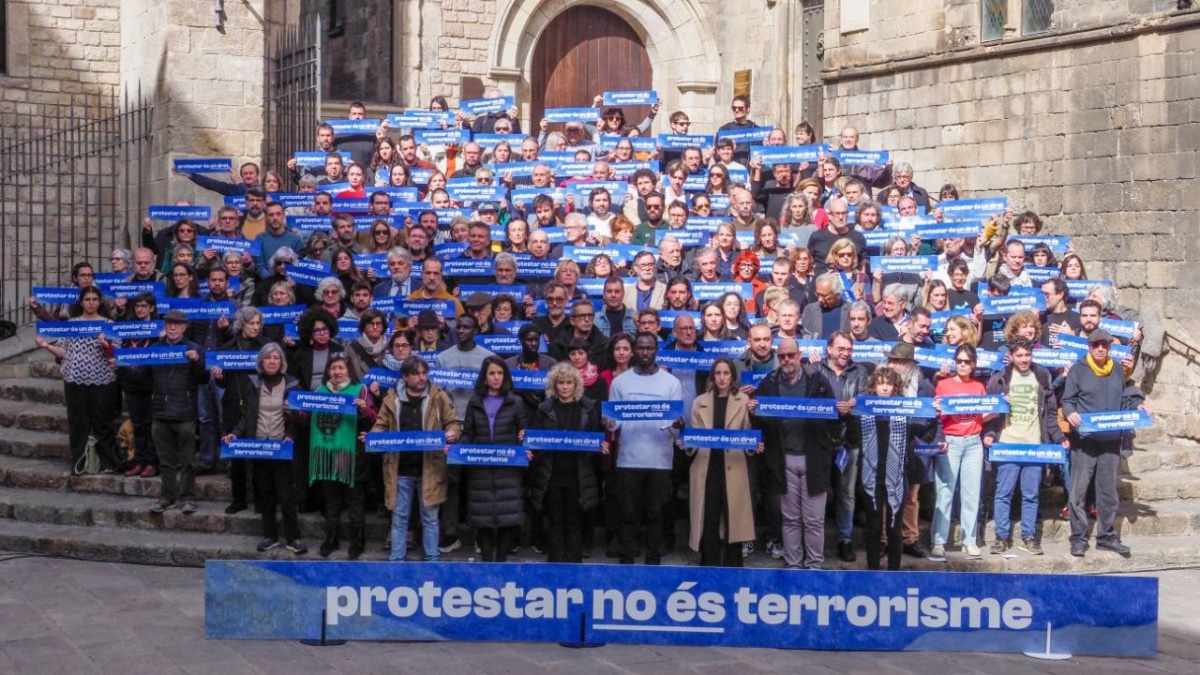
{"points": [[336, 458]]}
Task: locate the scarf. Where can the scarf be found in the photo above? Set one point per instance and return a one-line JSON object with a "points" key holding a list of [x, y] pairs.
{"points": [[590, 373], [376, 348], [391, 362], [334, 441], [897, 443], [1100, 371]]}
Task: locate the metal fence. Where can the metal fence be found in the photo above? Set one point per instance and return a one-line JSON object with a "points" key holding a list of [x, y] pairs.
{"points": [[293, 87], [71, 178]]}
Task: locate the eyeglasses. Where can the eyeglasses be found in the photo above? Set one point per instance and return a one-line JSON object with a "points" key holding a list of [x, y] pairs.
{"points": [[398, 345], [331, 291], [656, 207], [963, 362], [738, 107], [787, 356], [583, 316], [683, 123], [685, 329], [555, 300], [844, 254]]}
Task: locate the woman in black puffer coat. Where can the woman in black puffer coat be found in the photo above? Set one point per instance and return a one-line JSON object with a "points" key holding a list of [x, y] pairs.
{"points": [[564, 483], [495, 495]]}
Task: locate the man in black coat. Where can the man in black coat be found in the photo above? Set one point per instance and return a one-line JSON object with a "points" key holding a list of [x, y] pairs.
{"points": [[175, 408]]}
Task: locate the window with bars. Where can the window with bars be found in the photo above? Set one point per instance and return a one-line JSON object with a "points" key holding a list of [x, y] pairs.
{"points": [[1035, 16], [994, 16]]}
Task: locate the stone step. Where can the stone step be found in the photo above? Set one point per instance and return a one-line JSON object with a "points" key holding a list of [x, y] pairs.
{"points": [[120, 511], [1175, 518], [35, 444], [1160, 456], [52, 474], [1157, 486], [45, 369], [33, 416], [37, 389]]}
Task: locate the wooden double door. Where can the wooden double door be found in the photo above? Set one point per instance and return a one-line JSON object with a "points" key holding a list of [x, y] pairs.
{"points": [[583, 52]]}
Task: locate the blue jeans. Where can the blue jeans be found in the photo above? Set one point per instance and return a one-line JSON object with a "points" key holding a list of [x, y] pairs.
{"points": [[962, 463], [1007, 476], [847, 485], [406, 486]]}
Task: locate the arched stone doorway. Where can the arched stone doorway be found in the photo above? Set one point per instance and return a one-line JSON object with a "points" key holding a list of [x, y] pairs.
{"points": [[585, 51], [680, 46]]}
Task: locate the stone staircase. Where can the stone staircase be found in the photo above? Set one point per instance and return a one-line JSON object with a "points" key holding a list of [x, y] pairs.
{"points": [[107, 517]]}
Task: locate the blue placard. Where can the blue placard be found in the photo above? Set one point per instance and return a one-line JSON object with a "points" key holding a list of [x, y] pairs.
{"points": [[531, 268], [1011, 304], [1040, 275], [310, 223], [745, 135], [387, 379], [151, 356], [197, 213], [225, 245], [281, 314], [1058, 245], [468, 267], [1119, 328], [476, 193], [295, 200], [487, 455], [129, 289], [517, 169], [573, 170], [565, 115], [929, 449], [492, 140], [616, 189], [687, 238], [442, 136], [197, 309], [401, 196], [348, 329], [643, 411], [322, 402], [987, 360], [1079, 288], [950, 229], [405, 441], [135, 330], [551, 439], [872, 351], [731, 348], [50, 296], [204, 165], [809, 347], [453, 378], [640, 97], [291, 331], [101, 278], [231, 360], [708, 606], [236, 201], [444, 308], [529, 380], [935, 357], [257, 448], [351, 204], [449, 250], [504, 345], [670, 358], [1120, 420], [912, 264], [306, 160], [1027, 453], [420, 119], [487, 105], [894, 406], [751, 378], [684, 141], [705, 291], [721, 439], [787, 154], [618, 252], [639, 143], [862, 157], [973, 405], [365, 223], [372, 261], [973, 209], [54, 330], [305, 276], [796, 408], [353, 127]]}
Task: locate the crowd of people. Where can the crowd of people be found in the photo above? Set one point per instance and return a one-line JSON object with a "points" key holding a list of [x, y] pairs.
{"points": [[667, 268]]}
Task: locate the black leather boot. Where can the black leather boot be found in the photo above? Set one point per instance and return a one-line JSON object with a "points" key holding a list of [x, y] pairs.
{"points": [[331, 543], [358, 543]]}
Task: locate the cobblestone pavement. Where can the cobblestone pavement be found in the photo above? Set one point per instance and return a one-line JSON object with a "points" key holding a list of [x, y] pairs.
{"points": [[74, 617]]}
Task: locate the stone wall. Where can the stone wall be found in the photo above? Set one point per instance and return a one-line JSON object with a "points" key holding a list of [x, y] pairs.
{"points": [[1092, 126]]}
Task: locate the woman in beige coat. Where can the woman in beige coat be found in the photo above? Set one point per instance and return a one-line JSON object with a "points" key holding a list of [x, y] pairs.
{"points": [[722, 515]]}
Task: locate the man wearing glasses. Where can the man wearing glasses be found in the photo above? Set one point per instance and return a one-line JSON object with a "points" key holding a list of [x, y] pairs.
{"points": [[839, 227], [904, 180], [647, 292], [741, 120], [554, 323], [275, 236], [583, 328]]}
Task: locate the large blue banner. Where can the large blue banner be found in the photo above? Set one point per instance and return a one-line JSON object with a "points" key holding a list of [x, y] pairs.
{"points": [[694, 606]]}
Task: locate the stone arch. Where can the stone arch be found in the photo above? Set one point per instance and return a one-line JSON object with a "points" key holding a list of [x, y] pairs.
{"points": [[682, 50]]}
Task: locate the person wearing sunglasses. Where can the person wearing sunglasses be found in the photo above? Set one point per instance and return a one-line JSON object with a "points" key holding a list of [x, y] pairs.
{"points": [[741, 121], [961, 461]]}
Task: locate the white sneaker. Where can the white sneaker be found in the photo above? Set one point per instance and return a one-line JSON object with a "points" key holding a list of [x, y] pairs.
{"points": [[747, 549], [775, 550], [972, 550], [938, 551]]}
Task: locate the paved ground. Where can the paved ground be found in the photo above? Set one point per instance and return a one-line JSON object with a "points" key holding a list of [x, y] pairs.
{"points": [[73, 617]]}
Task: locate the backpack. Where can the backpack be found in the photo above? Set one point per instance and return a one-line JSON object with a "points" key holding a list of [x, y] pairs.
{"points": [[89, 462]]}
